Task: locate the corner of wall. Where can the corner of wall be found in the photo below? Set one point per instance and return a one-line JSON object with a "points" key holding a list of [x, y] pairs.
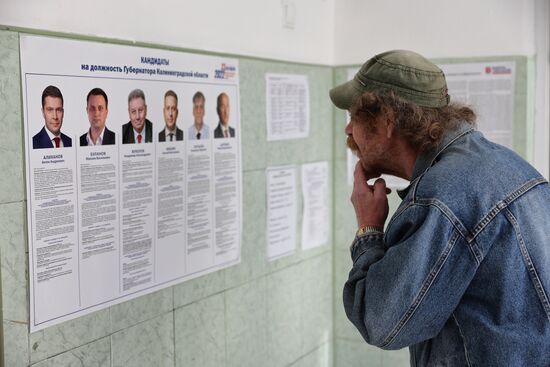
{"points": [[333, 224], [530, 110], [1, 318]]}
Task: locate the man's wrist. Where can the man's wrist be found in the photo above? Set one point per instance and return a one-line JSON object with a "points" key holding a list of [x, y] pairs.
{"points": [[369, 229], [366, 231]]}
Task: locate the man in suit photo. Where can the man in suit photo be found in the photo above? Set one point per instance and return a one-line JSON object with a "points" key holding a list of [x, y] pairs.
{"points": [[171, 132], [222, 108], [138, 130], [50, 136], [97, 107], [199, 130]]}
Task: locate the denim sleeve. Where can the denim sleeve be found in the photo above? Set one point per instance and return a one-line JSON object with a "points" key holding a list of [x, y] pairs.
{"points": [[404, 286]]}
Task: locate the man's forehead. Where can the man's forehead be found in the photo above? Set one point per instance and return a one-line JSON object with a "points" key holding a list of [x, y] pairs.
{"points": [[170, 99], [136, 101], [97, 100], [52, 100]]}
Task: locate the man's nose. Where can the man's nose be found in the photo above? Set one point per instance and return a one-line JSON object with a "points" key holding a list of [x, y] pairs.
{"points": [[348, 129]]}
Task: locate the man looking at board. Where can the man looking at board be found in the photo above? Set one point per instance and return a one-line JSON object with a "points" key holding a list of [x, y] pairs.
{"points": [[461, 273]]}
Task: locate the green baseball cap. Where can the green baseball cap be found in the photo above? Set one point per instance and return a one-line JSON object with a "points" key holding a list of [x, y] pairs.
{"points": [[410, 75]]}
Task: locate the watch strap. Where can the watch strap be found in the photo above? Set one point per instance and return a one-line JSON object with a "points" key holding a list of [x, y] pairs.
{"points": [[369, 230]]}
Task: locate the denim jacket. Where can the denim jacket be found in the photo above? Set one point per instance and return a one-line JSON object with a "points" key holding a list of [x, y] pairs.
{"points": [[462, 274]]}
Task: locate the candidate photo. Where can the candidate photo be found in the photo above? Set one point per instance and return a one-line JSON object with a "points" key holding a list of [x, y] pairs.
{"points": [[50, 136], [223, 130], [171, 131], [97, 108], [199, 130], [138, 130]]}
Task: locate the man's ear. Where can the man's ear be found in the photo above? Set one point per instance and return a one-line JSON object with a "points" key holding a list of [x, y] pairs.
{"points": [[388, 121]]}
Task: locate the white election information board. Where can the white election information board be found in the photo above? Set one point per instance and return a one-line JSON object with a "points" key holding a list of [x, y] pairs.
{"points": [[111, 222], [489, 88]]}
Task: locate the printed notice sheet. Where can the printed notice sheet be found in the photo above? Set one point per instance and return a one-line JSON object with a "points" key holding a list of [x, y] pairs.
{"points": [[489, 88], [287, 106], [281, 211], [133, 166], [315, 223]]}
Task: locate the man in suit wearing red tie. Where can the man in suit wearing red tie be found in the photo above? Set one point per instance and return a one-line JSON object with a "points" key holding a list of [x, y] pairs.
{"points": [[50, 135], [138, 130]]}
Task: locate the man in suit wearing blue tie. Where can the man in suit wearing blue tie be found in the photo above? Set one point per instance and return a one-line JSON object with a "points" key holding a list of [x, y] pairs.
{"points": [[199, 130], [50, 135], [171, 131]]}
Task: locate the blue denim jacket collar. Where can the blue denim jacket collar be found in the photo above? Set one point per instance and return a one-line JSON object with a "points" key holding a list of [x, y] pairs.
{"points": [[426, 160]]}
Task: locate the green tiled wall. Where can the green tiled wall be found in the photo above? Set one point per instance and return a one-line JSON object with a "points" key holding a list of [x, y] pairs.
{"points": [[285, 313], [257, 313]]}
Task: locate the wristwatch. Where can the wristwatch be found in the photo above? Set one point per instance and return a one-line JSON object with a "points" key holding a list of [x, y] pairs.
{"points": [[369, 230], [363, 231]]}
